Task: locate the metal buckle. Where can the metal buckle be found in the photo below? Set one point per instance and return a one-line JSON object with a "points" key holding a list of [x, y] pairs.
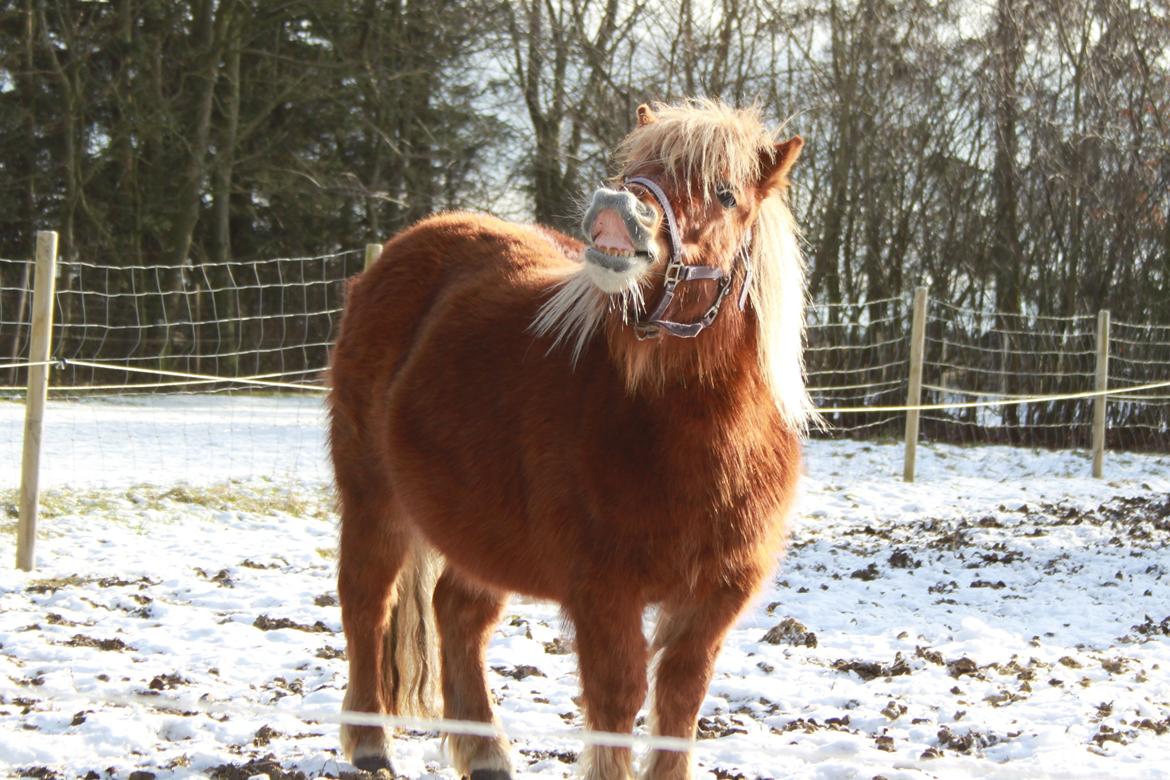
{"points": [[673, 272]]}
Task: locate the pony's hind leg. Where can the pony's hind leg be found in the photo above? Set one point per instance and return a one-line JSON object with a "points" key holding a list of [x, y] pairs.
{"points": [[466, 614], [687, 640], [372, 553]]}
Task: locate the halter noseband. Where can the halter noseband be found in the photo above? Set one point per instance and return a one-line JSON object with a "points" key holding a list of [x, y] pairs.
{"points": [[677, 271]]}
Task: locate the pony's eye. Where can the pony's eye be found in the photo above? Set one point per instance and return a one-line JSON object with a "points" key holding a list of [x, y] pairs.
{"points": [[726, 197]]}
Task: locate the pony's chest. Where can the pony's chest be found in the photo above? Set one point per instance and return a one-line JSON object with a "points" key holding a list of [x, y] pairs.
{"points": [[676, 498]]}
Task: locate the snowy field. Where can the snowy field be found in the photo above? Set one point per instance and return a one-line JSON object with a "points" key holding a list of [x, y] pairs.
{"points": [[1004, 617]]}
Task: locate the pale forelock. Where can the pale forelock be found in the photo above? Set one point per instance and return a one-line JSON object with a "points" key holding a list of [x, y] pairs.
{"points": [[699, 144]]}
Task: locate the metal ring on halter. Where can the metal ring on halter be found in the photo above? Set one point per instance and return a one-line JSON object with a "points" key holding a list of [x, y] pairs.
{"points": [[677, 271]]}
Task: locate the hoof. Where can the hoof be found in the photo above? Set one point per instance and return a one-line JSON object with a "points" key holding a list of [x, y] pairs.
{"points": [[491, 774], [373, 763]]}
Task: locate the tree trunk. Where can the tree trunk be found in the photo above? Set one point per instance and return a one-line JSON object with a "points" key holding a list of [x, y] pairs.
{"points": [[210, 25], [1006, 260]]}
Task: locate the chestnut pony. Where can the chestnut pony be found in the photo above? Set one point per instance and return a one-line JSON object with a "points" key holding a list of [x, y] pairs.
{"points": [[612, 426]]}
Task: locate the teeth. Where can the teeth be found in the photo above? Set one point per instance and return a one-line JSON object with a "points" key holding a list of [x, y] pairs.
{"points": [[615, 252]]}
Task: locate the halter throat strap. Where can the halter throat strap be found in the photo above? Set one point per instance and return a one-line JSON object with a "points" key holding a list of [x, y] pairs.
{"points": [[677, 271]]}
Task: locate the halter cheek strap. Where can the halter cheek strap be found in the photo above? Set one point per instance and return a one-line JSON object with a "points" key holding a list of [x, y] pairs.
{"points": [[677, 271]]}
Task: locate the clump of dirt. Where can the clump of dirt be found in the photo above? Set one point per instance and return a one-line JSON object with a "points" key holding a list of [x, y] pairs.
{"points": [[1150, 629], [257, 766], [331, 653], [264, 735], [1159, 727], [718, 726], [26, 705], [559, 646], [166, 682], [265, 623], [962, 666], [43, 587], [810, 725], [118, 582], [518, 672], [902, 559], [222, 578], [112, 644], [728, 774], [870, 572], [1005, 559], [790, 631], [248, 563], [925, 653], [1106, 733], [283, 687], [870, 670], [564, 756], [894, 710], [970, 742], [1003, 698]]}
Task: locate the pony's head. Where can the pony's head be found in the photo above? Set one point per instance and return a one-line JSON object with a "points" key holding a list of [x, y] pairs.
{"points": [[695, 221]]}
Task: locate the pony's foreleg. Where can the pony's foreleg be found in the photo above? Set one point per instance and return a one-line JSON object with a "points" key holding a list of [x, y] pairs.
{"points": [[612, 653], [466, 614], [372, 553], [686, 641]]}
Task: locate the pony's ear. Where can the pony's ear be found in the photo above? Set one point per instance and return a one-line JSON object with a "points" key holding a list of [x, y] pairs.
{"points": [[645, 115], [775, 168]]}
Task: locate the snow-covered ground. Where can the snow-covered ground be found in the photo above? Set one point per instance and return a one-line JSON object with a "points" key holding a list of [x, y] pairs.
{"points": [[1004, 616]]}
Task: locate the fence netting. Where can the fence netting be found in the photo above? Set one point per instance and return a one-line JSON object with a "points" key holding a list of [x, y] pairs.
{"points": [[1138, 354], [271, 319], [975, 355], [858, 355]]}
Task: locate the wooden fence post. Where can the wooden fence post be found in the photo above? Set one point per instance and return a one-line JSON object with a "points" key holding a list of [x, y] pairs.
{"points": [[914, 394], [40, 348], [1100, 385], [373, 252]]}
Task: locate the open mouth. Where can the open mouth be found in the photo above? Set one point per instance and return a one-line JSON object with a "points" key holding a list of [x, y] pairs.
{"points": [[616, 260]]}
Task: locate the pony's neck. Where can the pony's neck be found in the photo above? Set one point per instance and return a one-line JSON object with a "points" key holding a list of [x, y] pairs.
{"points": [[723, 360]]}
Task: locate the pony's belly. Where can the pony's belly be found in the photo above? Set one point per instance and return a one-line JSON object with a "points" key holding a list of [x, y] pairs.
{"points": [[460, 476], [493, 551]]}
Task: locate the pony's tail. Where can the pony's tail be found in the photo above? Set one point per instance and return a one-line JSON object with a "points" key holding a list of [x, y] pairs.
{"points": [[410, 653]]}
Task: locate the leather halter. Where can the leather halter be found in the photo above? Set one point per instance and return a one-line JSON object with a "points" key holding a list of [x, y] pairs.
{"points": [[677, 271]]}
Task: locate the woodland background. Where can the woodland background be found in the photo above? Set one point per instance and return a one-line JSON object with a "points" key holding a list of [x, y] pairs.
{"points": [[1012, 154]]}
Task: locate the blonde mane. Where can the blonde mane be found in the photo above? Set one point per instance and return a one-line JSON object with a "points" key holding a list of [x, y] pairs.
{"points": [[698, 145], [777, 295]]}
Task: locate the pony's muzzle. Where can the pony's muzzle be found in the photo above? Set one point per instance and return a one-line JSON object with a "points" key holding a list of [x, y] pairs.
{"points": [[620, 229], [618, 224]]}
